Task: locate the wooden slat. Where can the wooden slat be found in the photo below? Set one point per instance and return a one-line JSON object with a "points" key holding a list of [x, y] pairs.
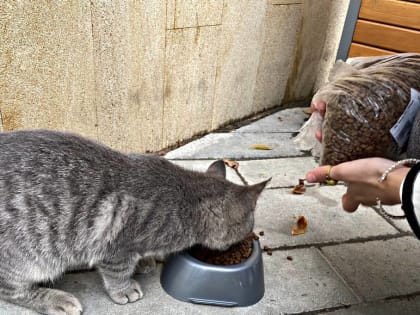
{"points": [[400, 13], [387, 37], [360, 50]]}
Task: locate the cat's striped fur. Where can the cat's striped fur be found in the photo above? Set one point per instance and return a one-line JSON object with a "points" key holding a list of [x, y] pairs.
{"points": [[67, 202]]}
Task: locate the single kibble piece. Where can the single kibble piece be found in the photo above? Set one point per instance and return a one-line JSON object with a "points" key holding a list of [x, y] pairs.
{"points": [[261, 233], [268, 250], [289, 258]]}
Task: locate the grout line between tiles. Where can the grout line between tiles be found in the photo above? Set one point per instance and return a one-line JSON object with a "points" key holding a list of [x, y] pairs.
{"points": [[343, 242], [389, 299], [322, 311], [340, 276]]}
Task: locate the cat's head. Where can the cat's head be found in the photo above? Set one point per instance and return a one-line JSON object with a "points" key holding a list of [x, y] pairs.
{"points": [[231, 219]]}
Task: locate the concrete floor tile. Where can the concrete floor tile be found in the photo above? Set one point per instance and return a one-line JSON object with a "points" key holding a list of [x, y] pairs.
{"points": [[400, 224], [202, 165], [406, 306], [304, 283], [155, 300], [237, 146], [87, 287], [283, 172], [379, 269], [287, 120], [327, 222], [403, 225]]}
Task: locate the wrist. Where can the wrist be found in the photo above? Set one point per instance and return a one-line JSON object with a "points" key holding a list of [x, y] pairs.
{"points": [[394, 184]]}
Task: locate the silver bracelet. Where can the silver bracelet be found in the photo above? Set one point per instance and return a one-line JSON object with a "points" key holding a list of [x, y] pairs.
{"points": [[378, 206]]}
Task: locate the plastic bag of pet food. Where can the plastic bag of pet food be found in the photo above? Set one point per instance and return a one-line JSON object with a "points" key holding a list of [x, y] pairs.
{"points": [[365, 99]]}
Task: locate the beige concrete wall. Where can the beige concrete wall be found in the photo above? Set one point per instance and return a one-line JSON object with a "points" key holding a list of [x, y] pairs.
{"points": [[46, 67], [142, 75], [337, 16], [318, 39]]}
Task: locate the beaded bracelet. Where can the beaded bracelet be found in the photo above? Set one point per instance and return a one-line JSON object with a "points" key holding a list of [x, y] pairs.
{"points": [[378, 206]]}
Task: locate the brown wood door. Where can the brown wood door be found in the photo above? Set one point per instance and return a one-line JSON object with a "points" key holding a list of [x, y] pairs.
{"points": [[386, 27]]}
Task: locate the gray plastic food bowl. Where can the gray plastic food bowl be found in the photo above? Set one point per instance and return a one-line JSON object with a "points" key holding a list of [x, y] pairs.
{"points": [[191, 280]]}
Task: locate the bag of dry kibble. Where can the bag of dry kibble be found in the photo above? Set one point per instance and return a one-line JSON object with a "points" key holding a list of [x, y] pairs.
{"points": [[371, 106]]}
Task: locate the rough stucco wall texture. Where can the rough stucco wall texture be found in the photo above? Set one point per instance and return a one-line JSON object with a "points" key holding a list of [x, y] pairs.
{"points": [[142, 75], [46, 67]]}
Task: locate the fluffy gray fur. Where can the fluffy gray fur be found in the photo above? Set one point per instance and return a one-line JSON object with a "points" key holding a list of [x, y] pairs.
{"points": [[66, 202]]}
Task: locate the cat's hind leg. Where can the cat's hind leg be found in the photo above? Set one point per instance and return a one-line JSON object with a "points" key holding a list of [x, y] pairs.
{"points": [[19, 277], [121, 288], [43, 300]]}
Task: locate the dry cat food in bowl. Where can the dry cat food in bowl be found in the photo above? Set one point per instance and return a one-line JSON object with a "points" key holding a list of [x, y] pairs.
{"points": [[230, 278], [234, 255]]}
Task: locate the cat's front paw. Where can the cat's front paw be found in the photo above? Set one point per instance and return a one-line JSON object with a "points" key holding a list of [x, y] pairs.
{"points": [[146, 265], [56, 302], [128, 295]]}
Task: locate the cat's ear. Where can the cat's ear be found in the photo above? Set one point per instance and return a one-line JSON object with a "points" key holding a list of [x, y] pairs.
{"points": [[217, 169], [255, 190]]}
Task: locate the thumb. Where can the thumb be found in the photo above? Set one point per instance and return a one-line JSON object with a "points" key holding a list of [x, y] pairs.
{"points": [[317, 175], [349, 204]]}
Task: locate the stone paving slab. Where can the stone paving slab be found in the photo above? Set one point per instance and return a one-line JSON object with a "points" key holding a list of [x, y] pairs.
{"points": [[306, 283], [379, 269], [237, 146], [406, 306], [283, 172], [400, 224], [87, 287], [202, 165], [327, 222], [403, 226], [287, 120]]}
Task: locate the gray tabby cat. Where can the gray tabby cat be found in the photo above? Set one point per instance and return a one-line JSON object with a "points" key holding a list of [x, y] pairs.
{"points": [[67, 202]]}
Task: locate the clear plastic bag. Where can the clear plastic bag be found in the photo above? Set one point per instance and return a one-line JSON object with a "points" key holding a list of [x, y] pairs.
{"points": [[364, 99]]}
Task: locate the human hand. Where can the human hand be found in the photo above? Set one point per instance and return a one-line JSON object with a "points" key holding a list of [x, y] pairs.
{"points": [[319, 107], [362, 178]]}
